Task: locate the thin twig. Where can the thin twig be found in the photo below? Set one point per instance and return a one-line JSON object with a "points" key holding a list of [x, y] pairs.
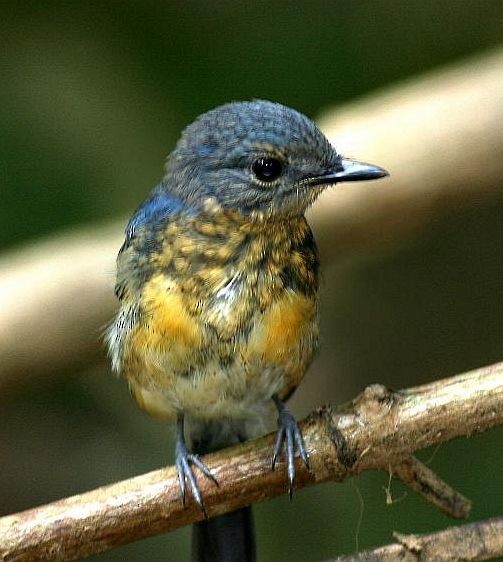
{"points": [[378, 429], [482, 540], [429, 485]]}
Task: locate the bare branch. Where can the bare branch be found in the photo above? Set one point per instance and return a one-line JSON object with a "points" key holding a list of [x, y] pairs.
{"points": [[440, 136], [482, 540], [378, 429], [428, 484]]}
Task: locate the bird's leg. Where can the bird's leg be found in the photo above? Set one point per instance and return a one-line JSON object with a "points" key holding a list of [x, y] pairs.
{"points": [[289, 432], [184, 460]]}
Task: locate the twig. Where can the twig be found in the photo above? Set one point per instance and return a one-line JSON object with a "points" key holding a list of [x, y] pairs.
{"points": [[482, 540], [378, 429], [428, 484], [440, 136]]}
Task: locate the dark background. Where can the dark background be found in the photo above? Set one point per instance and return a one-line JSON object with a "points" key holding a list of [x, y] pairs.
{"points": [[93, 98]]}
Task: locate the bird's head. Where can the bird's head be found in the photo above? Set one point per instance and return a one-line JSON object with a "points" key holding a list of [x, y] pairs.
{"points": [[260, 158]]}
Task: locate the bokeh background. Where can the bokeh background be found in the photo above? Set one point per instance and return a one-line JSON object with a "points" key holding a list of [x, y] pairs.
{"points": [[93, 98]]}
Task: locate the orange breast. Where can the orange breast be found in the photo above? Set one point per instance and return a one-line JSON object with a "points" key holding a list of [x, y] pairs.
{"points": [[286, 337], [225, 336], [168, 319], [165, 342]]}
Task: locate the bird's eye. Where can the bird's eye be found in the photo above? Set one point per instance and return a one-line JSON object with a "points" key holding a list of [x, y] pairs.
{"points": [[267, 169]]}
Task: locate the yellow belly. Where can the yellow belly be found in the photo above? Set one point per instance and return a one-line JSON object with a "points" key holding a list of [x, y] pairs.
{"points": [[176, 363]]}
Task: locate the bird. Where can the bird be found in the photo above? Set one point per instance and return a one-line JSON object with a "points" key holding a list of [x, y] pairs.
{"points": [[217, 282]]}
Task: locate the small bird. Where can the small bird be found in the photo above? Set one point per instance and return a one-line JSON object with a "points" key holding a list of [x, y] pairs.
{"points": [[217, 280]]}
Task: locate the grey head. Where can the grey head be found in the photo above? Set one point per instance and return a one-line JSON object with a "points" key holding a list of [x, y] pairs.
{"points": [[258, 157]]}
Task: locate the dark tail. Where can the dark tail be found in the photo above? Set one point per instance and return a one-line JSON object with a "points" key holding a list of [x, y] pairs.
{"points": [[229, 537], [225, 538]]}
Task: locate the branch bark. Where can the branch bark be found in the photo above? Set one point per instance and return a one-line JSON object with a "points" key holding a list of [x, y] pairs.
{"points": [[428, 484], [482, 540], [440, 136], [378, 429]]}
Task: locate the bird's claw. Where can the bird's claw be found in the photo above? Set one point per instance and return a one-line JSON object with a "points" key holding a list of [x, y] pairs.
{"points": [[290, 434], [184, 460]]}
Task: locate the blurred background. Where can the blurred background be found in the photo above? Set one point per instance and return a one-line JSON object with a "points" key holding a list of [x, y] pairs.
{"points": [[93, 98]]}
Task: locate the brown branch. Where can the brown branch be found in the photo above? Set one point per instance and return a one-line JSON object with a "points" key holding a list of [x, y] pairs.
{"points": [[378, 429], [429, 485], [440, 136], [482, 540]]}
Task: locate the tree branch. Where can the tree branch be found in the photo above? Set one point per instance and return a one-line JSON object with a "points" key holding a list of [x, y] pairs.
{"points": [[378, 429], [482, 540], [428, 484]]}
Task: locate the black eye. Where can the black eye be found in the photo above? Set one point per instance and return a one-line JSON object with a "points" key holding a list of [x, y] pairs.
{"points": [[267, 169]]}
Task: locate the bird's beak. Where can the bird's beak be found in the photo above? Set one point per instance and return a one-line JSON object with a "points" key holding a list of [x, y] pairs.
{"points": [[349, 170]]}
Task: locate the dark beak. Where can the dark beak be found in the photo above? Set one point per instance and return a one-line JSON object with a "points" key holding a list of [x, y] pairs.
{"points": [[350, 170]]}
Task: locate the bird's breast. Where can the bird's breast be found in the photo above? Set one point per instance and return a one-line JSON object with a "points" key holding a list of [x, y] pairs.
{"points": [[226, 332]]}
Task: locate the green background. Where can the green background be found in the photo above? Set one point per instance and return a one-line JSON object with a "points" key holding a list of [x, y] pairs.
{"points": [[93, 97]]}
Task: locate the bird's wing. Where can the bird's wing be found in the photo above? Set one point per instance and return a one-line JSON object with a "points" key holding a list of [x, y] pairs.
{"points": [[153, 213]]}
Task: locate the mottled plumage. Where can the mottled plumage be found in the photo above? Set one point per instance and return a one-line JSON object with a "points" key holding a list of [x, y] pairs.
{"points": [[219, 306], [218, 277]]}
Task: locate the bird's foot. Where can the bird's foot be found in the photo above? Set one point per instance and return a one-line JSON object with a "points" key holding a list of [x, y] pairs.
{"points": [[288, 432], [184, 461]]}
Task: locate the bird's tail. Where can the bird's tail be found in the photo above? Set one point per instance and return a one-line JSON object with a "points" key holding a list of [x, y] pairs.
{"points": [[229, 537], [225, 538]]}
